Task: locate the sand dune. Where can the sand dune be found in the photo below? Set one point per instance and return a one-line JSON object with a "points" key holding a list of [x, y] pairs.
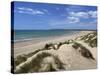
{"points": [[75, 55]]}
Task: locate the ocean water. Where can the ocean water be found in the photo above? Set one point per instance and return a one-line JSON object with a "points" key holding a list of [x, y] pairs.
{"points": [[22, 35]]}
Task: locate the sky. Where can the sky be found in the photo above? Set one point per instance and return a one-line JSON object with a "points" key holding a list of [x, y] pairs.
{"points": [[43, 16]]}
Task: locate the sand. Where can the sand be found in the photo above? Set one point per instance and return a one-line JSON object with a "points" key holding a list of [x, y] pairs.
{"points": [[28, 46], [71, 58]]}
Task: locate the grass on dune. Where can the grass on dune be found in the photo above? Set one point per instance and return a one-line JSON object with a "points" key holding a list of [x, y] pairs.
{"points": [[91, 39], [19, 59], [83, 50], [38, 64]]}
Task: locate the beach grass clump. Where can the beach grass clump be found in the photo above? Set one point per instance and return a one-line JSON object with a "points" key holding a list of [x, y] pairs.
{"points": [[48, 46], [52, 46], [41, 62], [86, 53], [70, 41], [75, 45], [93, 42], [83, 50], [66, 42], [90, 39], [59, 44], [19, 59]]}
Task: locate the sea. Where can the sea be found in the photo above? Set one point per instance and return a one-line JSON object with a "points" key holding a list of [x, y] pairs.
{"points": [[24, 35]]}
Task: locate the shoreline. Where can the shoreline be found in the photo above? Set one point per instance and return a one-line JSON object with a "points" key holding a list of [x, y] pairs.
{"points": [[28, 46]]}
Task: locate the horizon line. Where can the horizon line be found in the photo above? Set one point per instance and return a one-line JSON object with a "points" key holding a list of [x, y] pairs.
{"points": [[56, 29]]}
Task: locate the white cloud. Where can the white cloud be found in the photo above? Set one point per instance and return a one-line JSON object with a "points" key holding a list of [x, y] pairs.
{"points": [[73, 19], [29, 11], [93, 14], [79, 14], [46, 11], [24, 8], [68, 20], [89, 14], [37, 12]]}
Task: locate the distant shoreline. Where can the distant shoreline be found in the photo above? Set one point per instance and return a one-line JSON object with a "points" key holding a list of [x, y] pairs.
{"points": [[28, 35]]}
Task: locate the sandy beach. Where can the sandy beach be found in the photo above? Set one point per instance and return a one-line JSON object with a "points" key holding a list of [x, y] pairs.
{"points": [[28, 46], [80, 54]]}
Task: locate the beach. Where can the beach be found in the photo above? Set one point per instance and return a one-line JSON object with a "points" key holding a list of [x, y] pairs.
{"points": [[27, 46], [77, 51]]}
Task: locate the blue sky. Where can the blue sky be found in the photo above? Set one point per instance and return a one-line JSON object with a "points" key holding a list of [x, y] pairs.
{"points": [[41, 16]]}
